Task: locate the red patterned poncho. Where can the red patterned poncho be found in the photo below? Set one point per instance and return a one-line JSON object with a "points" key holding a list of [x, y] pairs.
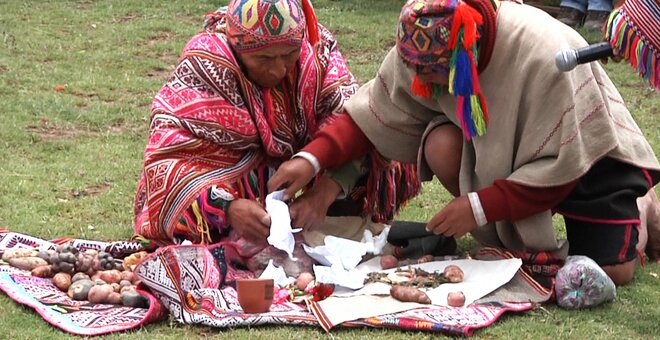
{"points": [[211, 126]]}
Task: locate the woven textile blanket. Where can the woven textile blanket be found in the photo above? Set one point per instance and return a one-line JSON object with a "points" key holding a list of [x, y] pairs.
{"points": [[55, 306], [186, 279], [194, 285]]}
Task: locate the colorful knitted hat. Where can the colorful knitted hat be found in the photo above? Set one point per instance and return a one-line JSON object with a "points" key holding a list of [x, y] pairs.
{"points": [[443, 34], [634, 30], [255, 24]]}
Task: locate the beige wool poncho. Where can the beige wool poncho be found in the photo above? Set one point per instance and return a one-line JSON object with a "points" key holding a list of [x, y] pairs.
{"points": [[547, 127]]}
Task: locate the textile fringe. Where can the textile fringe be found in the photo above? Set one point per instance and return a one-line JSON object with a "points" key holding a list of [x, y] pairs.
{"points": [[389, 187], [624, 37]]}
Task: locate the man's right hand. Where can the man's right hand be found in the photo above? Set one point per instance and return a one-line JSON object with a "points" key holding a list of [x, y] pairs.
{"points": [[292, 176], [249, 219]]}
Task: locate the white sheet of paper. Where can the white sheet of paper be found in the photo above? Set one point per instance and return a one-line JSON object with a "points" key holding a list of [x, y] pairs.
{"points": [[348, 253], [277, 274], [480, 278], [281, 233]]}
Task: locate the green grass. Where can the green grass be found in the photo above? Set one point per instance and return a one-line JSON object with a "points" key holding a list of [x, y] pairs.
{"points": [[70, 159]]}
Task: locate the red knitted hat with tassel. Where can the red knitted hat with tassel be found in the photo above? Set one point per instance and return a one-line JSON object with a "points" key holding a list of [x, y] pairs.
{"points": [[443, 34], [256, 24]]}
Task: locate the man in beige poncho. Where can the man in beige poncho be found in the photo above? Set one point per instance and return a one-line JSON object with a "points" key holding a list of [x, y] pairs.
{"points": [[536, 140]]}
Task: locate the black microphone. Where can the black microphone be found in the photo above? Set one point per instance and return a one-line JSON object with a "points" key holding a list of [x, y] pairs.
{"points": [[566, 60]]}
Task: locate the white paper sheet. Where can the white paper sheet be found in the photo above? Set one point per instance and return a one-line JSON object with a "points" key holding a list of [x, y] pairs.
{"points": [[480, 278], [339, 257], [281, 233], [277, 274]]}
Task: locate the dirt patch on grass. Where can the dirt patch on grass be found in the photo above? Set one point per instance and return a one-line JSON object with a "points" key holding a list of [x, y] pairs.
{"points": [[3, 69], [84, 4], [160, 37], [90, 191], [54, 133], [161, 72], [125, 18]]}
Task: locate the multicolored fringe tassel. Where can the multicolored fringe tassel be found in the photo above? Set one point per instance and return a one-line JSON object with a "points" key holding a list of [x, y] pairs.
{"points": [[471, 109], [384, 196], [625, 37]]}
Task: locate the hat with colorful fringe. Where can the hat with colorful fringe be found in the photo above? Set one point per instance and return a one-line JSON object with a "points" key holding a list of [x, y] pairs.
{"points": [[443, 34], [256, 24], [634, 31]]}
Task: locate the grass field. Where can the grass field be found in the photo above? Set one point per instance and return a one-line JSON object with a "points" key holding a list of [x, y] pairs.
{"points": [[70, 159]]}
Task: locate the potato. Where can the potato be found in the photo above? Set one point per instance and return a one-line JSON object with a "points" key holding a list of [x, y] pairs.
{"points": [[79, 276], [62, 281], [453, 273], [27, 263], [79, 290], [114, 298], [131, 261], [115, 287], [456, 299], [304, 279], [388, 261], [42, 271], [9, 254], [124, 289], [99, 293], [134, 299], [110, 276], [409, 294], [128, 275]]}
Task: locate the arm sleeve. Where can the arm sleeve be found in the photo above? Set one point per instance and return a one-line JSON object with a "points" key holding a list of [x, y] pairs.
{"points": [[339, 142], [347, 175], [509, 201]]}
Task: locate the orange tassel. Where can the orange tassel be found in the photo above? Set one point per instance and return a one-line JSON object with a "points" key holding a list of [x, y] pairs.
{"points": [[312, 22], [420, 89]]}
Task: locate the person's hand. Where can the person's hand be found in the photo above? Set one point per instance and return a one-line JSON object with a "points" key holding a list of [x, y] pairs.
{"points": [[616, 57], [292, 176], [249, 219], [455, 219], [309, 210]]}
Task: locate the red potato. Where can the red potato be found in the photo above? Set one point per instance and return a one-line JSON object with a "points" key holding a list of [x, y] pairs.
{"points": [[111, 276], [388, 261], [456, 299], [409, 294], [304, 279], [62, 281], [128, 275], [100, 293], [42, 271], [453, 273], [114, 298]]}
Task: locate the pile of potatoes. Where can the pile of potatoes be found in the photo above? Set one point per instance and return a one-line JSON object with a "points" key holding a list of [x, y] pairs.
{"points": [[93, 276]]}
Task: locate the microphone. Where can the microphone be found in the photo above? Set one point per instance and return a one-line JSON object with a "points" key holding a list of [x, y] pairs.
{"points": [[566, 60]]}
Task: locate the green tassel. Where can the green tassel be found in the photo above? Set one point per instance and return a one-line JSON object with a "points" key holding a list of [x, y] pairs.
{"points": [[478, 115]]}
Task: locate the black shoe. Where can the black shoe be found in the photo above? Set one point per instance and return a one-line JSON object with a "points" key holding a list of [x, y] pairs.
{"points": [[570, 16], [595, 20], [413, 241]]}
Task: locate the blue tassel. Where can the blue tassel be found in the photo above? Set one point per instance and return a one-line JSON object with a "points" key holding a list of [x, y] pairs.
{"points": [[467, 117], [463, 77]]}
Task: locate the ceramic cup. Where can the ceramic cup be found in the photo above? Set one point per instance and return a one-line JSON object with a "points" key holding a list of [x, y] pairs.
{"points": [[255, 295]]}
